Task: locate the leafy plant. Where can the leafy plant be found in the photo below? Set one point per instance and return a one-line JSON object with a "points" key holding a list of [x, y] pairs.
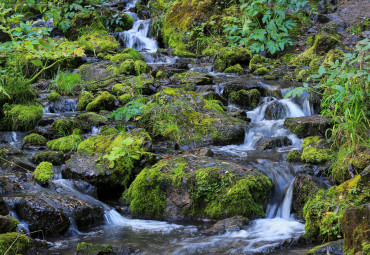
{"points": [[265, 25], [131, 109]]}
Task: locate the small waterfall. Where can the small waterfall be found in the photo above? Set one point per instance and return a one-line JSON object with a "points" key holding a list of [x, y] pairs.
{"points": [[138, 36], [95, 130]]}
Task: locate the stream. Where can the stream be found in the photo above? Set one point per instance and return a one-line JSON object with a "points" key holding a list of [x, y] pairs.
{"points": [[279, 229]]}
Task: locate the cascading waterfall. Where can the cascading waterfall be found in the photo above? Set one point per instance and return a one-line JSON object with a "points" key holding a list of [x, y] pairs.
{"points": [[138, 36]]}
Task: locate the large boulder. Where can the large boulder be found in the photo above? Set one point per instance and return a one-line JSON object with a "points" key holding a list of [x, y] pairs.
{"points": [[315, 125], [190, 186]]}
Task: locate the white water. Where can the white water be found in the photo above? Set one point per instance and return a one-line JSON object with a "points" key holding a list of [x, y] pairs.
{"points": [[138, 36]]}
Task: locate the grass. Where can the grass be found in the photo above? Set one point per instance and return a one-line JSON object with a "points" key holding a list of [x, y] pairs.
{"points": [[63, 83]]}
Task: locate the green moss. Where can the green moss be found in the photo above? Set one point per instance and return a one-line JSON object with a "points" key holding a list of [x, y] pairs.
{"points": [[18, 243], [84, 99], [128, 21], [135, 54], [68, 143], [118, 58], [43, 173], [209, 52], [231, 56], [366, 248], [234, 69], [120, 89], [92, 118], [103, 102], [124, 99], [93, 249], [162, 75], [324, 212], [35, 139], [220, 65], [54, 96], [245, 98], [54, 157], [64, 127], [314, 150], [261, 71], [95, 144], [108, 130], [98, 43], [21, 117], [127, 67], [256, 62], [294, 156], [140, 67]]}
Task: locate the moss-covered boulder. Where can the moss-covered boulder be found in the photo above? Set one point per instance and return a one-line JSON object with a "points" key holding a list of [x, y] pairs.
{"points": [[93, 249], [17, 242], [356, 229], [84, 99], [256, 62], [315, 125], [127, 67], [66, 144], [96, 43], [189, 120], [234, 69], [335, 247], [20, 117], [83, 20], [245, 98], [294, 156], [232, 56], [7, 223], [53, 96], [324, 211], [191, 186], [92, 119], [43, 173], [315, 150], [261, 71], [55, 157], [140, 67], [109, 161], [267, 143], [35, 139], [108, 130], [103, 102], [192, 77], [65, 127]]}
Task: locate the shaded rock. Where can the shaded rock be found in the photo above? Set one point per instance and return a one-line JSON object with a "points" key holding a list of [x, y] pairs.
{"points": [[236, 223], [328, 248], [314, 125], [356, 222], [304, 187], [239, 114], [55, 157], [237, 85], [266, 143], [275, 110], [245, 98], [7, 224]]}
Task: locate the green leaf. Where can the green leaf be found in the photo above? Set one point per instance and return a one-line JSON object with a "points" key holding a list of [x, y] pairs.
{"points": [[322, 70], [37, 62]]}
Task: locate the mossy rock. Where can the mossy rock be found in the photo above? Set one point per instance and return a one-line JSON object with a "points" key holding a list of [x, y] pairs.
{"points": [[84, 99], [294, 156], [231, 56], [19, 243], [55, 157], [65, 127], [103, 102], [261, 71], [124, 99], [140, 67], [35, 139], [66, 144], [162, 75], [127, 67], [92, 119], [54, 96], [43, 173], [256, 62], [234, 69], [8, 223], [93, 249], [191, 186], [192, 77], [315, 125], [84, 20], [108, 130], [315, 150], [121, 89], [245, 98], [335, 247], [324, 211], [98, 43], [21, 117]]}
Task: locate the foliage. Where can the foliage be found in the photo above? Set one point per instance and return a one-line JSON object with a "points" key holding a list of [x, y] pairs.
{"points": [[131, 109], [64, 82], [265, 25]]}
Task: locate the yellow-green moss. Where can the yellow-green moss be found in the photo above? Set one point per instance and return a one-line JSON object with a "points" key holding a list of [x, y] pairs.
{"points": [[124, 99], [18, 243], [43, 173], [162, 75], [84, 99], [98, 43], [245, 98], [256, 62], [35, 139], [108, 130], [103, 102], [64, 127], [127, 67], [315, 150], [54, 96], [68, 143], [92, 118], [234, 69], [93, 249], [294, 156], [140, 67], [120, 89], [232, 56], [21, 117], [261, 71]]}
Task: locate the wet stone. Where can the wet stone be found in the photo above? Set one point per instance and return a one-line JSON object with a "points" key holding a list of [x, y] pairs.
{"points": [[266, 143]]}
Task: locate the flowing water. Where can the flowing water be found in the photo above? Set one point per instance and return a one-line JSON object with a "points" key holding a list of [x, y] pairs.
{"points": [[279, 228]]}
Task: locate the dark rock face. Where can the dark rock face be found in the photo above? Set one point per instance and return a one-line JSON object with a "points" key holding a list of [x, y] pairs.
{"points": [[275, 111], [304, 187], [356, 222], [329, 248], [227, 225], [314, 125], [266, 143]]}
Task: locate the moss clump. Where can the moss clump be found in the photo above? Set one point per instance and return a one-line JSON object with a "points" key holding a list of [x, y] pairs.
{"points": [[35, 139], [256, 62], [63, 127], [108, 130], [84, 99], [43, 173], [231, 56], [118, 58], [315, 150], [92, 118], [18, 242], [68, 143], [216, 190], [21, 117], [294, 156], [8, 223], [124, 99], [245, 98], [127, 67], [103, 102], [54, 96], [98, 43], [54, 157], [93, 249], [234, 69], [141, 67], [120, 89], [192, 77], [261, 71], [324, 212], [209, 52], [162, 75]]}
